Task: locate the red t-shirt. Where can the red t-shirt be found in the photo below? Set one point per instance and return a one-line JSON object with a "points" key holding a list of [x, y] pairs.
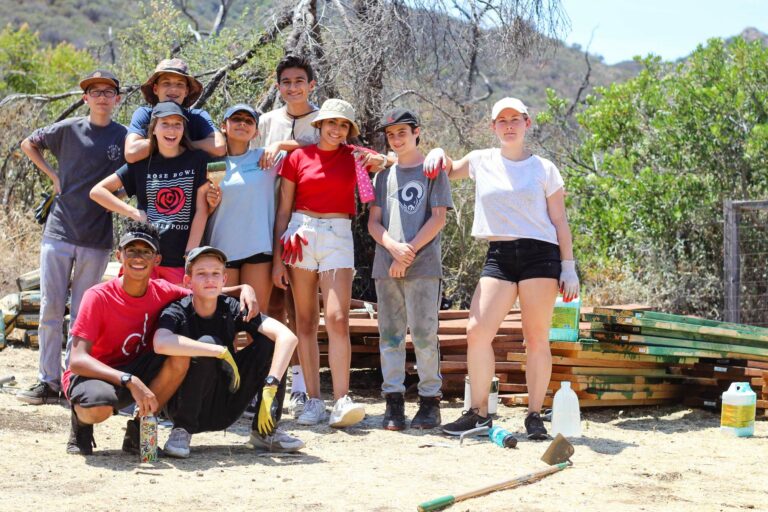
{"points": [[120, 326], [325, 180]]}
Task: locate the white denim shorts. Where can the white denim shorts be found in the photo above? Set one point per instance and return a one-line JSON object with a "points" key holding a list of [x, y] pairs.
{"points": [[329, 243]]}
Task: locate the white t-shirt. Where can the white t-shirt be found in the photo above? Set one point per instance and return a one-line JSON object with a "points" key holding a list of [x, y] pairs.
{"points": [[511, 197], [277, 125]]}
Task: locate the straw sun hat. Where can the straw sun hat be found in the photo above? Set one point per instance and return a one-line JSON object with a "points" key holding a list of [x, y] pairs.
{"points": [[337, 109]]}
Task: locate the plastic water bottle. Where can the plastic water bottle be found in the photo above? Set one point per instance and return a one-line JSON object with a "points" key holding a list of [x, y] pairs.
{"points": [[566, 418], [565, 320], [148, 439], [502, 437], [738, 415]]}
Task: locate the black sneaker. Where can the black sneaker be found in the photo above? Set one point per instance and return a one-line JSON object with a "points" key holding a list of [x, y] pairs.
{"points": [[394, 416], [469, 420], [38, 394], [131, 439], [535, 428], [428, 415], [81, 440]]}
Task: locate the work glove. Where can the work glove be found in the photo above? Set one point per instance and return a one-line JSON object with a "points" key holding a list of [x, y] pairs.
{"points": [[569, 281], [229, 367], [268, 411], [292, 240], [434, 164], [44, 208]]}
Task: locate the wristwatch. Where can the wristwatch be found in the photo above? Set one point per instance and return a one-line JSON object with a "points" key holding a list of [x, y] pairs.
{"points": [[125, 379], [271, 381]]}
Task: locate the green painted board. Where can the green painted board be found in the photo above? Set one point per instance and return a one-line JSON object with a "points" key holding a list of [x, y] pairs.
{"points": [[723, 349], [655, 315], [726, 332], [672, 354]]}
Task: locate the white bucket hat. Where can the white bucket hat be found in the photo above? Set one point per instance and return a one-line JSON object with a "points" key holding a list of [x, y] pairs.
{"points": [[337, 109], [505, 103]]}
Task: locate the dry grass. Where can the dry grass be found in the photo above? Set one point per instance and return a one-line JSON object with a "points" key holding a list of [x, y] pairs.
{"points": [[20, 238]]}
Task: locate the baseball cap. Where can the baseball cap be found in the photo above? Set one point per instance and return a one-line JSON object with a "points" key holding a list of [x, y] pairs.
{"points": [[200, 251], [240, 107], [176, 67], [133, 236], [100, 76], [398, 116], [504, 103], [168, 108]]}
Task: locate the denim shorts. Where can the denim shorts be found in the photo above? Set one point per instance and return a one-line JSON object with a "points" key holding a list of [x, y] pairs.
{"points": [[518, 260], [329, 243], [262, 257]]}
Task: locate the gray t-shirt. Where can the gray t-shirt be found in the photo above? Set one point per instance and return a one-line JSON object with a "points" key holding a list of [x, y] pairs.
{"points": [[406, 198], [86, 154]]}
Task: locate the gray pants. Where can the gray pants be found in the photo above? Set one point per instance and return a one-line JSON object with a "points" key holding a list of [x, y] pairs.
{"points": [[57, 260], [413, 303]]}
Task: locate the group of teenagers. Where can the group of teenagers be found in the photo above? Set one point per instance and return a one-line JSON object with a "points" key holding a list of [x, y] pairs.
{"points": [[276, 232]]}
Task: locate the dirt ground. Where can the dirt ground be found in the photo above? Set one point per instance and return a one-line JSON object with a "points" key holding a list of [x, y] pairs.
{"points": [[652, 458]]}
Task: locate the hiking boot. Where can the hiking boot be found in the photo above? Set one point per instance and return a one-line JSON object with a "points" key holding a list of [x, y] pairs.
{"points": [[177, 444], [535, 428], [296, 404], [346, 413], [38, 394], [278, 442], [131, 438], [428, 415], [394, 415], [81, 440], [469, 420], [313, 413]]}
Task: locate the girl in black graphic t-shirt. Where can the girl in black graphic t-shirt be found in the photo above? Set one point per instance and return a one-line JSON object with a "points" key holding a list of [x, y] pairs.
{"points": [[170, 188]]}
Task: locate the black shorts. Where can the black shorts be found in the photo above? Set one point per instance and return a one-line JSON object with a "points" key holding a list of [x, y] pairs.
{"points": [[262, 257], [518, 260], [90, 392]]}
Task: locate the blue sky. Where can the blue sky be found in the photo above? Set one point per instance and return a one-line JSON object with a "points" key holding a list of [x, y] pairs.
{"points": [[669, 28]]}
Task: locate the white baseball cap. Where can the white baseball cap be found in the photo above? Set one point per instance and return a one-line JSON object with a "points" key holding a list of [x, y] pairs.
{"points": [[504, 103]]}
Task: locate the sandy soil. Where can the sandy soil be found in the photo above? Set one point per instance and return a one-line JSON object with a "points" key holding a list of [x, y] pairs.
{"points": [[652, 458]]}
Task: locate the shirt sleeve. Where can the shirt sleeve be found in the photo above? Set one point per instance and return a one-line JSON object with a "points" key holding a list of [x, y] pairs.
{"points": [[441, 192], [48, 137], [289, 170], [554, 181], [380, 187], [203, 124], [88, 324], [201, 169], [472, 157], [172, 318], [127, 174], [140, 121]]}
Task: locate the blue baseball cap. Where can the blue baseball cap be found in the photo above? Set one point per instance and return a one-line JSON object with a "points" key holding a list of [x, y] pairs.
{"points": [[168, 108], [241, 107]]}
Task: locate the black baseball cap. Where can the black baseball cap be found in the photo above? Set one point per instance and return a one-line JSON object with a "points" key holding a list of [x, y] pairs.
{"points": [[200, 251], [241, 107], [168, 108], [100, 76], [133, 236], [398, 116]]}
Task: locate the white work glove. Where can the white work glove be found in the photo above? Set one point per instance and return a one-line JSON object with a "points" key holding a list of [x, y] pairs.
{"points": [[569, 281], [292, 239], [434, 163]]}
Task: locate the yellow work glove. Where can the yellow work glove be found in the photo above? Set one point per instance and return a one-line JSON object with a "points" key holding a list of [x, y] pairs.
{"points": [[268, 411], [229, 367]]}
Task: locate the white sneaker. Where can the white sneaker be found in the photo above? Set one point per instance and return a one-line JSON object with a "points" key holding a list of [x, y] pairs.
{"points": [[279, 441], [313, 413], [346, 413], [178, 444], [296, 404]]}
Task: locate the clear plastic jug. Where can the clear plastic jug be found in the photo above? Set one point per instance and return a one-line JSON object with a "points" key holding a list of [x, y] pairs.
{"points": [[566, 417]]}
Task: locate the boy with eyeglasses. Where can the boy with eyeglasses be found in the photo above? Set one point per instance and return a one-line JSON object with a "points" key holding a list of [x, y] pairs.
{"points": [[78, 232]]}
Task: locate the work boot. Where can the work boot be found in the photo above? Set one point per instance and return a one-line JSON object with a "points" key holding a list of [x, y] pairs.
{"points": [[534, 427], [131, 439], [81, 440], [428, 415], [394, 415]]}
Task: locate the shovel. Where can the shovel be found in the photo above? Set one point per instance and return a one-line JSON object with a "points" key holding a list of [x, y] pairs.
{"points": [[557, 456]]}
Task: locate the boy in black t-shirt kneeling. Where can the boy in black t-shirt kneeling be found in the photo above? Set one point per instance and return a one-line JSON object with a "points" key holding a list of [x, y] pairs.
{"points": [[221, 382]]}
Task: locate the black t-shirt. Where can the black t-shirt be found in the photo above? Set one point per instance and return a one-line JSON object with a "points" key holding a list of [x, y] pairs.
{"points": [[180, 317], [166, 188]]}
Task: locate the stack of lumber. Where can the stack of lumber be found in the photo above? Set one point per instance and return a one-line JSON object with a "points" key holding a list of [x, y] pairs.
{"points": [[21, 311], [713, 354]]}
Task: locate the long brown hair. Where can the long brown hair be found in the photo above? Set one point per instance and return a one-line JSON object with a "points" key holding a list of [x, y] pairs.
{"points": [[185, 140]]}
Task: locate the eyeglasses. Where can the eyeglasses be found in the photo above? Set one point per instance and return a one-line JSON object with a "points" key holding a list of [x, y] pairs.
{"points": [[107, 93], [145, 254]]}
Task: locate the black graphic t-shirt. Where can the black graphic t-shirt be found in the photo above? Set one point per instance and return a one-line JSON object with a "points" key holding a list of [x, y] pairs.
{"points": [[166, 188]]}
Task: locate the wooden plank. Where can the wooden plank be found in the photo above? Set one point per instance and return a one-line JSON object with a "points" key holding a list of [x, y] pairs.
{"points": [[29, 281], [30, 301], [591, 388], [459, 367], [724, 349], [28, 320], [517, 399], [576, 370], [604, 363], [623, 356], [616, 379], [728, 330]]}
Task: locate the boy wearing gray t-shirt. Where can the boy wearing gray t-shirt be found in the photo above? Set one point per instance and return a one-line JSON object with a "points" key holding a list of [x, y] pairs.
{"points": [[405, 220]]}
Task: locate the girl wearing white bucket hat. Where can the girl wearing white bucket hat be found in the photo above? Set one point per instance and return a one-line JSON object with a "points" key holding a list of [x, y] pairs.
{"points": [[520, 210], [313, 237]]}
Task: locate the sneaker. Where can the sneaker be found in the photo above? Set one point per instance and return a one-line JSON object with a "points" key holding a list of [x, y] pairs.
{"points": [[296, 404], [394, 415], [131, 438], [252, 409], [428, 415], [535, 428], [38, 394], [81, 440], [469, 420], [177, 444], [278, 442], [346, 413], [313, 413]]}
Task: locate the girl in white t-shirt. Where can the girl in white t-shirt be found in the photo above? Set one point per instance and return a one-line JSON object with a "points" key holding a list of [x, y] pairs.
{"points": [[520, 210]]}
